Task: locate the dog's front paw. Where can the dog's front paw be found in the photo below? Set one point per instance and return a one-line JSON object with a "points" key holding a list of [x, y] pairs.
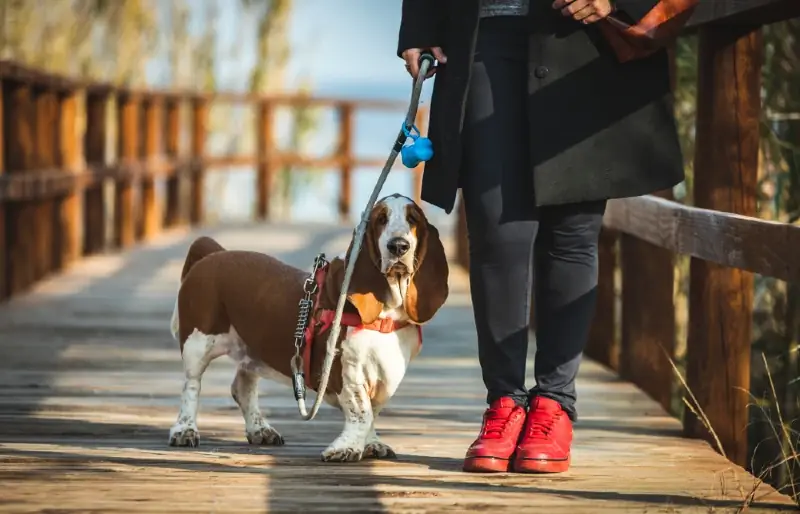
{"points": [[184, 435], [265, 436], [378, 450], [342, 453]]}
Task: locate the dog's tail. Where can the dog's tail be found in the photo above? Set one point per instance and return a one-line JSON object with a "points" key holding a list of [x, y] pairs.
{"points": [[201, 248]]}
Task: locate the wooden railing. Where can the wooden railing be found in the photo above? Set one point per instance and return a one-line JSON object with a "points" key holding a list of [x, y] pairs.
{"points": [[53, 208], [726, 242]]}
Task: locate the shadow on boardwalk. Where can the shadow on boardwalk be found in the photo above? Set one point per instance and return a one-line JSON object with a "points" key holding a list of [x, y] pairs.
{"points": [[89, 385]]}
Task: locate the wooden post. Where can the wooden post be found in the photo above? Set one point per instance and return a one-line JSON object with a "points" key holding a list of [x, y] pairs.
{"points": [[345, 152], [602, 344], [151, 210], [721, 299], [95, 141], [46, 136], [648, 317], [20, 237], [421, 122], [173, 212], [3, 247], [70, 208], [266, 149], [127, 155], [199, 131]]}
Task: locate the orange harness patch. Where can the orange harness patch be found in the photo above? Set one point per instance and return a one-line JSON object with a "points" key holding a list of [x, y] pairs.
{"points": [[324, 321]]}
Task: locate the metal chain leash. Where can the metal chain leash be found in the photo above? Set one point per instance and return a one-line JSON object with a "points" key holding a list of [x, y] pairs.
{"points": [[305, 308]]}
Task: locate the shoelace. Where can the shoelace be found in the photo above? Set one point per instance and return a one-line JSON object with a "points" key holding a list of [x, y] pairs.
{"points": [[494, 424], [542, 423]]}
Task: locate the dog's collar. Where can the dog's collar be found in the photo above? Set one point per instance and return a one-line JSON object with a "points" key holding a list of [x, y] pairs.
{"points": [[322, 320]]}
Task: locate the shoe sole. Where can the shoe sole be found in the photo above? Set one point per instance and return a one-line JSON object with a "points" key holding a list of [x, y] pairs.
{"points": [[486, 465], [541, 466]]}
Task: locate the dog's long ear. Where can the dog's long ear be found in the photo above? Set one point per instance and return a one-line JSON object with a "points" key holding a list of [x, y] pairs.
{"points": [[368, 287], [429, 287]]}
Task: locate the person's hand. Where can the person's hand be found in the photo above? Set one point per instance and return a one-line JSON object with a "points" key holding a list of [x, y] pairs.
{"points": [[411, 56], [584, 11]]}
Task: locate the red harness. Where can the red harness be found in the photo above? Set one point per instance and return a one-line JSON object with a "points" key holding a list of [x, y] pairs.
{"points": [[322, 320]]}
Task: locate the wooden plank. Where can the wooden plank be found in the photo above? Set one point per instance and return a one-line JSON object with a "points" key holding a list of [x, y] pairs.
{"points": [[95, 141], [173, 211], [720, 302], [70, 207], [45, 130], [128, 121], [153, 141], [198, 152], [602, 344], [265, 171], [648, 318], [738, 12], [345, 151], [710, 235], [3, 245], [19, 150]]}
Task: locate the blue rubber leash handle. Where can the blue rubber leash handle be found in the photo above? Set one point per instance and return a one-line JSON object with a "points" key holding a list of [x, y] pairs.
{"points": [[426, 61]]}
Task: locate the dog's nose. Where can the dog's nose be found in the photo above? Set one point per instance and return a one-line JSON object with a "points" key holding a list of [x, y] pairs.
{"points": [[398, 246]]}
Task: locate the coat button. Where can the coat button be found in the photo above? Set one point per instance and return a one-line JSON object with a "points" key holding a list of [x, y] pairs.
{"points": [[541, 72]]}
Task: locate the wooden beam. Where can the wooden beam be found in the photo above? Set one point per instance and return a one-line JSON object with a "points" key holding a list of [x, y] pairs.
{"points": [[173, 212], [345, 151], [265, 170], [70, 206], [19, 150], [422, 124], [46, 143], [128, 124], [153, 142], [710, 235], [3, 241], [95, 142], [198, 151], [602, 345], [721, 299], [739, 12]]}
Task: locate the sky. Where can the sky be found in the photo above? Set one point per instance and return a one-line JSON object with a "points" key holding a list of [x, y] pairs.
{"points": [[342, 48]]}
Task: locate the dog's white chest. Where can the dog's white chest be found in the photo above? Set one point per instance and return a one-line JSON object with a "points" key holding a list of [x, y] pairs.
{"points": [[380, 359]]}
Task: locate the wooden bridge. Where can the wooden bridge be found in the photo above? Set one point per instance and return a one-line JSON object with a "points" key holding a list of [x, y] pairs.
{"points": [[90, 253]]}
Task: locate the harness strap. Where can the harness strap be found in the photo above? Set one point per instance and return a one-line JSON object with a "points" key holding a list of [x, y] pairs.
{"points": [[323, 322]]}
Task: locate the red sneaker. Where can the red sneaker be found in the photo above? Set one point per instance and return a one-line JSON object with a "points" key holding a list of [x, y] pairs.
{"points": [[545, 443], [491, 452]]}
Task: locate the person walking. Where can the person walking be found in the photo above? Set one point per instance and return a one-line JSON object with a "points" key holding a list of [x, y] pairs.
{"points": [[536, 121]]}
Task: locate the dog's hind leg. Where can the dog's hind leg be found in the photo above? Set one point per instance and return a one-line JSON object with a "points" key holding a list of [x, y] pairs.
{"points": [[198, 352], [244, 390]]}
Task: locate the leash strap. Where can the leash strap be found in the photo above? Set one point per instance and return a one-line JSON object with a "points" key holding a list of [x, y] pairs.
{"points": [[298, 379]]}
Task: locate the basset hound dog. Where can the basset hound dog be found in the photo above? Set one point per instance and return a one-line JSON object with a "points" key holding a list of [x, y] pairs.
{"points": [[245, 305]]}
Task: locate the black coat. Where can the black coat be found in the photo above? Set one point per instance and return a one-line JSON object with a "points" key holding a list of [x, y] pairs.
{"points": [[599, 130]]}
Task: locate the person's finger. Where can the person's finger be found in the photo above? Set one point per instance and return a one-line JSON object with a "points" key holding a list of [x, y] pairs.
{"points": [[439, 54], [574, 7], [584, 13], [412, 61], [560, 4], [592, 18]]}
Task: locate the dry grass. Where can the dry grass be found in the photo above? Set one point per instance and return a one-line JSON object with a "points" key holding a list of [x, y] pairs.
{"points": [[781, 432]]}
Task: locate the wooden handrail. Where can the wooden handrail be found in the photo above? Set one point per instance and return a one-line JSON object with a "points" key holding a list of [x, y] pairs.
{"points": [[44, 168]]}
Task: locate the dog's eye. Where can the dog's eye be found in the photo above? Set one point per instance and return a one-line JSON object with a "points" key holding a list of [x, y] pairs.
{"points": [[382, 219], [412, 219]]}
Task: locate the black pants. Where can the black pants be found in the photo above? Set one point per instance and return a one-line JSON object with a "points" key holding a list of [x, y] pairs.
{"points": [[503, 225]]}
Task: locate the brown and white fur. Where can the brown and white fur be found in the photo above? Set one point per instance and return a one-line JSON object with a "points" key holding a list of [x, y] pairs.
{"points": [[244, 305]]}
